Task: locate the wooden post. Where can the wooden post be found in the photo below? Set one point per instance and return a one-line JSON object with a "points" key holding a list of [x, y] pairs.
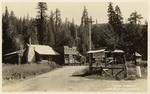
{"points": [[76, 34], [19, 64], [20, 54], [90, 26], [90, 23], [112, 72], [135, 58], [125, 67], [90, 66], [105, 62]]}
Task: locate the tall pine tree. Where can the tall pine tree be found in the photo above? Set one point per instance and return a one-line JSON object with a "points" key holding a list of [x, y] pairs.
{"points": [[84, 34], [116, 20], [42, 23], [134, 37]]}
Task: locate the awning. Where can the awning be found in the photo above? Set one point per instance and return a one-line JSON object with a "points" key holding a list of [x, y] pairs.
{"points": [[96, 51], [118, 51]]}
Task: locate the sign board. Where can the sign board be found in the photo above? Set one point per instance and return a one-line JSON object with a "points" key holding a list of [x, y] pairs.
{"points": [[98, 55], [68, 50]]}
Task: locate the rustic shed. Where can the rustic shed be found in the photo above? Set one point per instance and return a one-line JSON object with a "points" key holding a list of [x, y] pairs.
{"points": [[13, 57]]}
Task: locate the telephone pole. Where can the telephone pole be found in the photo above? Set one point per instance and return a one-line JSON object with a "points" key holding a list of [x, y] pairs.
{"points": [[90, 27], [76, 37]]}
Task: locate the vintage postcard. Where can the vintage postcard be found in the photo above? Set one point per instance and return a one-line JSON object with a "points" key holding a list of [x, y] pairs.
{"points": [[74, 46]]}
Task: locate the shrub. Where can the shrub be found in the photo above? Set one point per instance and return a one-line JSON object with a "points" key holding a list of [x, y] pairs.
{"points": [[131, 77], [14, 71]]}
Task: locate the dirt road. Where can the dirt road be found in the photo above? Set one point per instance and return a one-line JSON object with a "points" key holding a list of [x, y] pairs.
{"points": [[61, 80]]}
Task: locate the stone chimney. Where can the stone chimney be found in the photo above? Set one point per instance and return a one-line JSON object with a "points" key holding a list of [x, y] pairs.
{"points": [[29, 41]]}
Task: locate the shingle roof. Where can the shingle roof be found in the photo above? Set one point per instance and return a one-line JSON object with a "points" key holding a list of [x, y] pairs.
{"points": [[44, 50]]}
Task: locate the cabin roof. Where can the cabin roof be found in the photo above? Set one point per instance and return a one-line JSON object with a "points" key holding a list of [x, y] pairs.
{"points": [[11, 53], [137, 54], [44, 50]]}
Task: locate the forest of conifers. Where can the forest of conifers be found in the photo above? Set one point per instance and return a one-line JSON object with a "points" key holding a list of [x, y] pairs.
{"points": [[51, 30]]}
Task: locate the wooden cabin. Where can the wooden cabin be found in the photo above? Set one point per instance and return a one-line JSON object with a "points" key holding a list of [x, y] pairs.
{"points": [[40, 52], [31, 54], [68, 55]]}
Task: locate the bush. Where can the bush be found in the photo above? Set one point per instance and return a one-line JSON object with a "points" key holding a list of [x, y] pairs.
{"points": [[14, 71], [139, 63], [131, 71], [131, 77], [142, 63]]}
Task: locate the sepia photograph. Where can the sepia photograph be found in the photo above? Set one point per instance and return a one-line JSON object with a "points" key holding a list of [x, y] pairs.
{"points": [[74, 46]]}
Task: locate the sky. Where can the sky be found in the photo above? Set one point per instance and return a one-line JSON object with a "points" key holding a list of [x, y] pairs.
{"points": [[98, 10]]}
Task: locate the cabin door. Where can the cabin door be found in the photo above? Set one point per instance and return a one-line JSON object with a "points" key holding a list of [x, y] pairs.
{"points": [[66, 59]]}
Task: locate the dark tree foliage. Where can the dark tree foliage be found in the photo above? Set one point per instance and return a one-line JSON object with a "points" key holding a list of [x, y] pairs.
{"points": [[84, 34], [111, 14], [12, 40], [115, 19], [59, 32], [64, 37], [103, 36], [72, 29], [6, 34], [51, 30], [41, 23], [58, 29], [144, 42], [133, 29]]}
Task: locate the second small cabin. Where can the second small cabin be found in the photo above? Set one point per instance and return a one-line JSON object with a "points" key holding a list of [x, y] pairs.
{"points": [[68, 55]]}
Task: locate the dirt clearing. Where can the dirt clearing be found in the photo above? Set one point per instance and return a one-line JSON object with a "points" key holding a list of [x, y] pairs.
{"points": [[61, 80]]}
